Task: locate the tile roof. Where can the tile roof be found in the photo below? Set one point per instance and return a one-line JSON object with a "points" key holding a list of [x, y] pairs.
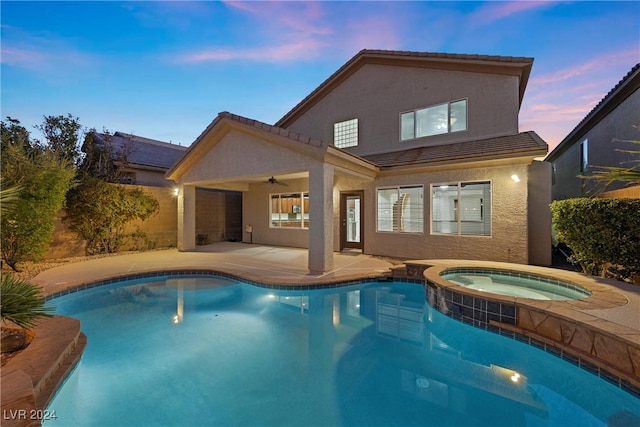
{"points": [[272, 129], [524, 143], [409, 58], [144, 151]]}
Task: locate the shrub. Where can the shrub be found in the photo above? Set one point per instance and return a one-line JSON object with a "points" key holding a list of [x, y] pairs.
{"points": [[21, 302], [99, 212], [601, 233]]}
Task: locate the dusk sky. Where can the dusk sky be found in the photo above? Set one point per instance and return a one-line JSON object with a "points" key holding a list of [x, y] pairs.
{"points": [[164, 70]]}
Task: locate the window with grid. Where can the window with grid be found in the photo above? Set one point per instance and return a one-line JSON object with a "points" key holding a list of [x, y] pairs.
{"points": [[345, 134]]}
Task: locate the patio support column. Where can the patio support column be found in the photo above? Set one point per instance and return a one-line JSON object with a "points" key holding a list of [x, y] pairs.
{"points": [[320, 218], [187, 218]]}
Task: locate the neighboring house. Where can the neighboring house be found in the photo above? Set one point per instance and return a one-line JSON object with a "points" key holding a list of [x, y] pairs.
{"points": [[401, 154], [600, 139], [145, 160]]}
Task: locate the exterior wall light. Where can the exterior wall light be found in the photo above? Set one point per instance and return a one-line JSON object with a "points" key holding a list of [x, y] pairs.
{"points": [[176, 191], [515, 178]]}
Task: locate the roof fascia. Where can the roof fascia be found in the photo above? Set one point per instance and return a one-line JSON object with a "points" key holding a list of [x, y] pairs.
{"points": [[519, 67], [352, 164]]}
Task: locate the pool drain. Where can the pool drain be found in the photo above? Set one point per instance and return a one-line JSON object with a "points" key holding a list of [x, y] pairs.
{"points": [[423, 383]]}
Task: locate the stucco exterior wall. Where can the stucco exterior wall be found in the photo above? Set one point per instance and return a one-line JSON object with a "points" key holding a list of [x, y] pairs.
{"points": [[539, 213], [377, 94], [508, 241], [256, 206], [245, 156], [606, 138]]}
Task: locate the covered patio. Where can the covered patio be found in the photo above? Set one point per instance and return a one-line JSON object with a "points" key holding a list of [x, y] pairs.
{"points": [[259, 160]]}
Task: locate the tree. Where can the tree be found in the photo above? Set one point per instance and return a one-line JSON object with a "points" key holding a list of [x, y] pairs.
{"points": [[62, 134], [44, 179], [99, 212], [102, 159]]}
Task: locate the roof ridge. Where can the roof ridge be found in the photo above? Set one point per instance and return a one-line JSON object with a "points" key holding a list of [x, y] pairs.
{"points": [[271, 128], [427, 54], [142, 139]]}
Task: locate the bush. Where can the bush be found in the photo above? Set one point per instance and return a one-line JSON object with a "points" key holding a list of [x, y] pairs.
{"points": [[21, 302], [602, 233], [99, 212]]}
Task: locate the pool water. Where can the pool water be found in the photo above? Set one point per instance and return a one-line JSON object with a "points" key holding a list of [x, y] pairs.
{"points": [[209, 351], [521, 286]]}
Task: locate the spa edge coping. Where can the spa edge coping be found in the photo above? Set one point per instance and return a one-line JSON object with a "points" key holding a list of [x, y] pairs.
{"points": [[603, 296]]}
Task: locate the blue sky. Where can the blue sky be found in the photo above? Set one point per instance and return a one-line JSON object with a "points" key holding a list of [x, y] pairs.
{"points": [[163, 70]]}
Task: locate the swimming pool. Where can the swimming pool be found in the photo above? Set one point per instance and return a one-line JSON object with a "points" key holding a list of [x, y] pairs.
{"points": [[521, 285], [213, 351]]}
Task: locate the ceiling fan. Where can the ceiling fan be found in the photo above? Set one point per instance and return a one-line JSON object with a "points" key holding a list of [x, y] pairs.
{"points": [[272, 180]]}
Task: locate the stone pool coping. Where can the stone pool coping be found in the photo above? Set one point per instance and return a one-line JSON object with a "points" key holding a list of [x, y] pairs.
{"points": [[564, 328]]}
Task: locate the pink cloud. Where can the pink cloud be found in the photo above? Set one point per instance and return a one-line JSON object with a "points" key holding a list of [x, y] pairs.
{"points": [[301, 50], [496, 10], [45, 54], [301, 31], [558, 100]]}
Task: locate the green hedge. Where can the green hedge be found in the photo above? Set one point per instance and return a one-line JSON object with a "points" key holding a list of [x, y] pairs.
{"points": [[604, 234]]}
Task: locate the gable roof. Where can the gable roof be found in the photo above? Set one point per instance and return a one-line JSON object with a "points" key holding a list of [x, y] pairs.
{"points": [[509, 65], [521, 144], [143, 152], [621, 91], [224, 120]]}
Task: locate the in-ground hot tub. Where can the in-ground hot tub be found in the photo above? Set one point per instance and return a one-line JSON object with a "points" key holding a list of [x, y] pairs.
{"points": [[515, 284]]}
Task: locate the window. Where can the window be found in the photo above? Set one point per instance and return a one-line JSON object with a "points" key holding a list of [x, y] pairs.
{"points": [[584, 155], [434, 120], [290, 210], [400, 209], [345, 134], [462, 209]]}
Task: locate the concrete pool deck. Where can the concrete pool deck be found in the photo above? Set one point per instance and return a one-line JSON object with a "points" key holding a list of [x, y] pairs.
{"points": [[264, 264]]}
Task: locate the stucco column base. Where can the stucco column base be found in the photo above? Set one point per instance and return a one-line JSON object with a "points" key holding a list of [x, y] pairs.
{"points": [[320, 218]]}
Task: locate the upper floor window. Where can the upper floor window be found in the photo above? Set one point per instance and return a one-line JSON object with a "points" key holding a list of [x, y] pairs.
{"points": [[438, 119], [290, 210], [584, 155], [345, 134], [400, 209]]}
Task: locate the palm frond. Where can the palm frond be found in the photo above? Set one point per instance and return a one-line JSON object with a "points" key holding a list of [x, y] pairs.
{"points": [[21, 302]]}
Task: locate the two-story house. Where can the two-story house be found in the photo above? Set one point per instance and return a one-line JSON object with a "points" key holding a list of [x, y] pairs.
{"points": [[601, 139], [403, 154]]}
